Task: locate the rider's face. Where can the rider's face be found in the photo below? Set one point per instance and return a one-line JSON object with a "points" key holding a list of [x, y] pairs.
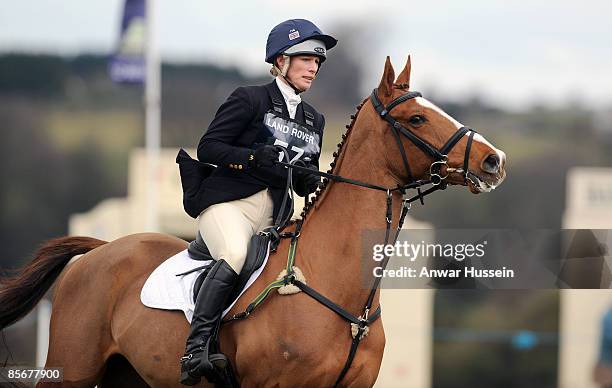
{"points": [[302, 70]]}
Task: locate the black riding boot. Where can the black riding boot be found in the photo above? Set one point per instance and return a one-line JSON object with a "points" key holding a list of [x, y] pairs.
{"points": [[208, 308]]}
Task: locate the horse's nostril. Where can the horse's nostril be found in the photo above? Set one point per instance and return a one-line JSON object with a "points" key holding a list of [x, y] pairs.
{"points": [[491, 164]]}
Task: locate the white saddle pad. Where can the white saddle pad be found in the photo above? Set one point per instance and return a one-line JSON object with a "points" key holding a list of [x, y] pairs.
{"points": [[164, 290]]}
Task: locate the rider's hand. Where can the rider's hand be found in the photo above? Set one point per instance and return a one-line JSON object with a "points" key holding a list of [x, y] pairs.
{"points": [[264, 156], [311, 183], [307, 183]]}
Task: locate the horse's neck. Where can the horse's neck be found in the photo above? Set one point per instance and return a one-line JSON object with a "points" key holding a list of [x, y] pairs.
{"points": [[331, 242]]}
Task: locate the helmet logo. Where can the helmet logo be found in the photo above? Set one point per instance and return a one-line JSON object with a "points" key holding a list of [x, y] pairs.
{"points": [[293, 34], [319, 50]]}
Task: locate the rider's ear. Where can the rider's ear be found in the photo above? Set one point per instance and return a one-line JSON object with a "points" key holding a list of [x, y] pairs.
{"points": [[385, 89], [404, 77]]}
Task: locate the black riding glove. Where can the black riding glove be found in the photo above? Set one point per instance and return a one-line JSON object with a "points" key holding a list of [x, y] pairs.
{"points": [[307, 183], [264, 156]]}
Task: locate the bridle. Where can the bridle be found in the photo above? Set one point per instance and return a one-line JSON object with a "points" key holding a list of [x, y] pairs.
{"points": [[440, 156], [360, 324]]}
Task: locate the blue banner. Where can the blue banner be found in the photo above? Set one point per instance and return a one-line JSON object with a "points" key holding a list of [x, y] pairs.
{"points": [[127, 65]]}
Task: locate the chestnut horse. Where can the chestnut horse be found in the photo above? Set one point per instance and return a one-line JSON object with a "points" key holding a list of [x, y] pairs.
{"points": [[101, 334]]}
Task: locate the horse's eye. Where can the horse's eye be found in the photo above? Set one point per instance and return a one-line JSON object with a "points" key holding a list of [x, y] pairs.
{"points": [[417, 120]]}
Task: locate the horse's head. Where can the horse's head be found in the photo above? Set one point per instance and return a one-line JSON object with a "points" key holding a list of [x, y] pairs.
{"points": [[433, 144]]}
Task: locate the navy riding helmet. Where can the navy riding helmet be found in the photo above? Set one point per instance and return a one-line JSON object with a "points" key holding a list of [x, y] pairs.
{"points": [[292, 32]]}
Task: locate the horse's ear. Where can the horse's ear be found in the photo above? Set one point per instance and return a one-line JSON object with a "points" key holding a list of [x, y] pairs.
{"points": [[404, 78], [386, 83]]}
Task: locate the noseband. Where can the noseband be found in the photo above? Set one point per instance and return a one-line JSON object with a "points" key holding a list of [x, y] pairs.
{"points": [[440, 156]]}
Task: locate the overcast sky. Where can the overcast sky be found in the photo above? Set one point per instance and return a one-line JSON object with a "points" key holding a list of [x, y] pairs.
{"points": [[512, 53]]}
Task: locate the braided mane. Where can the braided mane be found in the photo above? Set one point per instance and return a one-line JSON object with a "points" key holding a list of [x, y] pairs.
{"points": [[320, 191]]}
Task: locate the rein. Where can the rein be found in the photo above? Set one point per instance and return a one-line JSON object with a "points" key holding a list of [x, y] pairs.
{"points": [[440, 156], [360, 324]]}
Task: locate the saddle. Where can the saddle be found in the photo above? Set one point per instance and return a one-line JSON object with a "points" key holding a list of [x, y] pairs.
{"points": [[256, 253]]}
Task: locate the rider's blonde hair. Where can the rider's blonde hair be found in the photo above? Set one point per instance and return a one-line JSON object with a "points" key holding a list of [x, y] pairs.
{"points": [[276, 71]]}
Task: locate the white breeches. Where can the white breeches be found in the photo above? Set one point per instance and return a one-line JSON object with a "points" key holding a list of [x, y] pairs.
{"points": [[227, 227]]}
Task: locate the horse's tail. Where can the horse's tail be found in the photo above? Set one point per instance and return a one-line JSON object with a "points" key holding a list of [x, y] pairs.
{"points": [[21, 292]]}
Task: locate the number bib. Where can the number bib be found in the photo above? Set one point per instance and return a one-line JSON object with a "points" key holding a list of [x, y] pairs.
{"points": [[301, 141]]}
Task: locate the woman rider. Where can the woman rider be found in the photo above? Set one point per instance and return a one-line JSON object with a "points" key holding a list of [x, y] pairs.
{"points": [[243, 194]]}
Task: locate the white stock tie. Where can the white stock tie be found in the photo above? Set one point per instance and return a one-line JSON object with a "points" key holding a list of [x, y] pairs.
{"points": [[292, 99]]}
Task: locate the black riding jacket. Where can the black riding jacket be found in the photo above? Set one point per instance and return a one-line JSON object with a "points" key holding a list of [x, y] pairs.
{"points": [[236, 130]]}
